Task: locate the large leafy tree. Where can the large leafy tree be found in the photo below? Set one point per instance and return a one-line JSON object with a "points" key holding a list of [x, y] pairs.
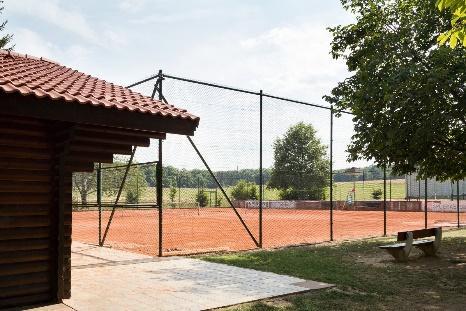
{"points": [[457, 33], [4, 40], [407, 93], [301, 167]]}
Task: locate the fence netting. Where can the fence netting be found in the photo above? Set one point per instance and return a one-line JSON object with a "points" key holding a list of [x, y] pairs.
{"points": [[219, 196]]}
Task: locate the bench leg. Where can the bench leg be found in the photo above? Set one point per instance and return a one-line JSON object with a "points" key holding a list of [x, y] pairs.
{"points": [[429, 249], [400, 254]]}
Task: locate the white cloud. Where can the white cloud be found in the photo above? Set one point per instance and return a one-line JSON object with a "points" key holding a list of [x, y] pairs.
{"points": [[30, 42], [294, 58], [132, 6], [177, 17], [51, 11]]}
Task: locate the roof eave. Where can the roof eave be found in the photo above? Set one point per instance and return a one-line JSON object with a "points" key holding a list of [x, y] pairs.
{"points": [[31, 106]]}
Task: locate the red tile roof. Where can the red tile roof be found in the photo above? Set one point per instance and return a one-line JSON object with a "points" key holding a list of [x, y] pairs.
{"points": [[40, 77]]}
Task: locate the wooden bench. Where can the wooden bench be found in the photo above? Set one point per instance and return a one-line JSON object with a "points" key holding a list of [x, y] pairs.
{"points": [[406, 240]]}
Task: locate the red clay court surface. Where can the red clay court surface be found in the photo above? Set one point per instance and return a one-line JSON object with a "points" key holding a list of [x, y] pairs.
{"points": [[219, 229]]}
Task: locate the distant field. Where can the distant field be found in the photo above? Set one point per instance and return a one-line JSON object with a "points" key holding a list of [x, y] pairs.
{"points": [[364, 190], [187, 196]]}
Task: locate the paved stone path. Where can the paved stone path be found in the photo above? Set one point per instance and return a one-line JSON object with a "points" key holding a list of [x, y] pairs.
{"points": [[108, 279]]}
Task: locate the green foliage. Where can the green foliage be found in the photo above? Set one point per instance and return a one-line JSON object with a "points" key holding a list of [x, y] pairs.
{"points": [[172, 194], [300, 168], [201, 198], [4, 40], [85, 183], [377, 194], [244, 190], [132, 196], [407, 94], [457, 33]]}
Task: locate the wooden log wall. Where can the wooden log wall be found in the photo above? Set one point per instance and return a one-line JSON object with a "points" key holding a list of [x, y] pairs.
{"points": [[30, 150]]}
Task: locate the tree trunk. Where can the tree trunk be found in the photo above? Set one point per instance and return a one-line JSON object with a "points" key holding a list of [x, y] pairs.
{"points": [[84, 197]]}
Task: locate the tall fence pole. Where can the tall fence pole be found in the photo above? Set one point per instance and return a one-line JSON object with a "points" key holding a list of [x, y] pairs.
{"points": [[425, 204], [159, 176], [160, 197], [458, 201], [261, 181], [385, 200], [331, 173], [99, 200]]}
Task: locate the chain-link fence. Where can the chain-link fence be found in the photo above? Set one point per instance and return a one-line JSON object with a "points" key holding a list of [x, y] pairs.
{"points": [[261, 171]]}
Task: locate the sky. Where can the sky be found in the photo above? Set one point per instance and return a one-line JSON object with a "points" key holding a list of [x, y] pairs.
{"points": [[281, 47]]}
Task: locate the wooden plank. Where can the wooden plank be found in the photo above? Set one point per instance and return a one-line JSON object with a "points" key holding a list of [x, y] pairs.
{"points": [[95, 147], [87, 157], [25, 300], [21, 245], [21, 121], [24, 175], [24, 210], [18, 291], [90, 137], [23, 222], [23, 187], [24, 164], [24, 233], [417, 234], [25, 153], [22, 268], [25, 198], [120, 131], [7, 140], [24, 279], [24, 256]]}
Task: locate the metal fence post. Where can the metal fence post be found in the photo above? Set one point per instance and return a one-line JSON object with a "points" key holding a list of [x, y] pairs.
{"points": [[425, 204], [385, 200], [160, 197], [260, 169], [99, 200], [458, 201], [159, 176], [331, 173]]}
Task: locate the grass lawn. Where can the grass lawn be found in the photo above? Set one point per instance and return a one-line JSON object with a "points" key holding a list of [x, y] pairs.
{"points": [[186, 197], [366, 278]]}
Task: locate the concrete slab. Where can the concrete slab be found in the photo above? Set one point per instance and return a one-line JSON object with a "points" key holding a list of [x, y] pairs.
{"points": [[108, 279]]}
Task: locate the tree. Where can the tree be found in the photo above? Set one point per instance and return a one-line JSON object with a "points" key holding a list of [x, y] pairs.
{"points": [[201, 198], [4, 40], [301, 167], [458, 22], [172, 195], [407, 93], [244, 190], [135, 185], [85, 183]]}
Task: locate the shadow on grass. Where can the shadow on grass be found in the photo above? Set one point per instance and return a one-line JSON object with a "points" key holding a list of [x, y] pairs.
{"points": [[366, 278]]}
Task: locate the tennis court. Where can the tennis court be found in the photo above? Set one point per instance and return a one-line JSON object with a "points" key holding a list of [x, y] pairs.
{"points": [[187, 231]]}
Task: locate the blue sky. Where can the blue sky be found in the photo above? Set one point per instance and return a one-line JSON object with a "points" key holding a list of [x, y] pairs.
{"points": [[281, 47]]}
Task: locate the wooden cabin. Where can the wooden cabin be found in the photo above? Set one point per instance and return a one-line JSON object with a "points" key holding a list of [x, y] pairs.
{"points": [[55, 121]]}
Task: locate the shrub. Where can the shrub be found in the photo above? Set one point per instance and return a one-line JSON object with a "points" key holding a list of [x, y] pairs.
{"points": [[377, 194], [201, 198], [132, 196], [244, 190]]}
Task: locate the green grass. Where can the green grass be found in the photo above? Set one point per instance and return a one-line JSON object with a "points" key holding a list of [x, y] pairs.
{"points": [[341, 190], [366, 278], [364, 190]]}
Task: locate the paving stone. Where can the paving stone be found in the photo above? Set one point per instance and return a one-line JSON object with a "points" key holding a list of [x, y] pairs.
{"points": [[108, 279]]}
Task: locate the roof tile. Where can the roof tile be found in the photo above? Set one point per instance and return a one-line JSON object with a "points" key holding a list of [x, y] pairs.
{"points": [[40, 77]]}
